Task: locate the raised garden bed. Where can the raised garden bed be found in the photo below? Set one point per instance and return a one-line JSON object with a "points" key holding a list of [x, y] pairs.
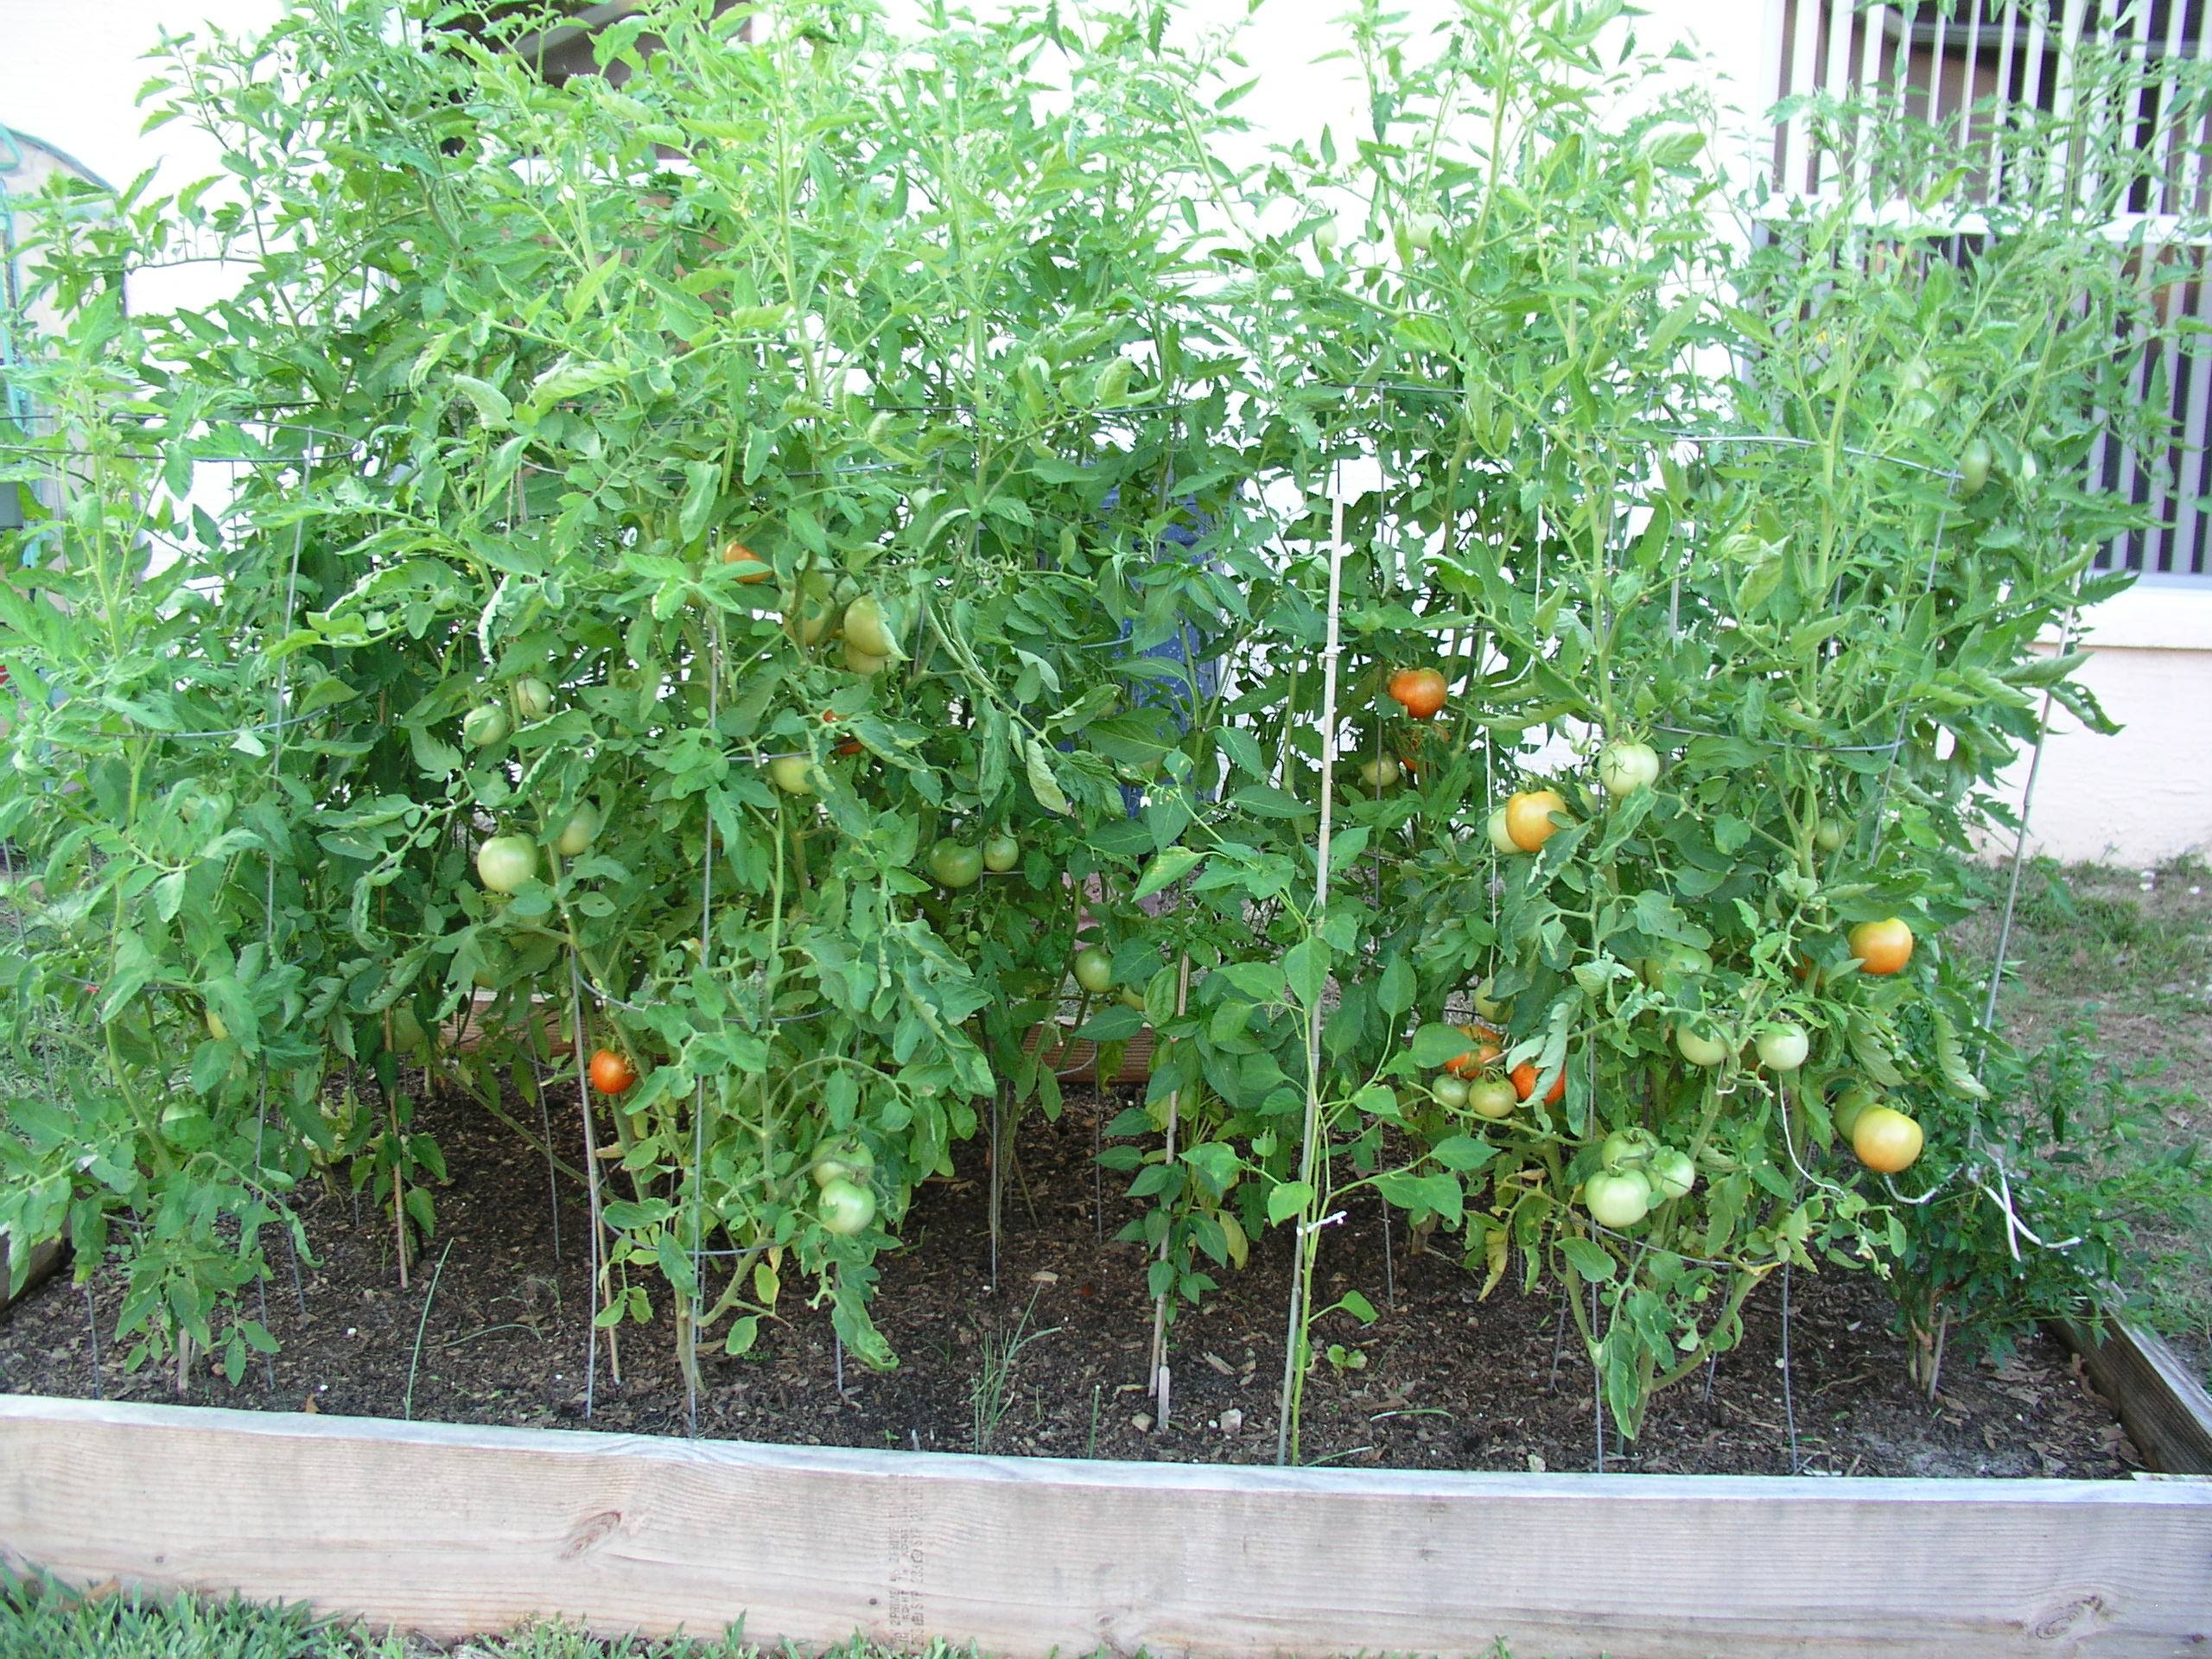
{"points": [[1442, 1380], [451, 1530]]}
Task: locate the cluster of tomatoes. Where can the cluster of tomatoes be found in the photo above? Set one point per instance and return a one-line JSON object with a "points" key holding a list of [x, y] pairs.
{"points": [[1635, 1172]]}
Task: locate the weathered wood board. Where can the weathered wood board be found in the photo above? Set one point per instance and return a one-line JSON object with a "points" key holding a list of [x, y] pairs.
{"points": [[2165, 1409], [454, 1530]]}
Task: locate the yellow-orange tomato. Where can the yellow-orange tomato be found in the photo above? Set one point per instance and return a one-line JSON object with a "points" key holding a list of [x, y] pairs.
{"points": [[1885, 1140], [1528, 818], [611, 1073], [1524, 1082], [1420, 690], [1881, 947], [753, 567]]}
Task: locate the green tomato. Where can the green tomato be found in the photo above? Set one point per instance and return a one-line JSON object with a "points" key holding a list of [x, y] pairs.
{"points": [[1783, 1045], [815, 611], [1424, 231], [578, 834], [406, 1029], [1698, 1050], [864, 662], [1492, 1097], [1828, 836], [1499, 838], [1450, 1092], [1974, 462], [1094, 971], [844, 1207], [1487, 1006], [954, 865], [1624, 1148], [1676, 962], [1131, 997], [1001, 853], [1853, 1102], [1618, 1201], [504, 863], [1381, 772], [1671, 1172], [1622, 767], [793, 773], [484, 725], [843, 1159], [867, 628], [533, 697]]}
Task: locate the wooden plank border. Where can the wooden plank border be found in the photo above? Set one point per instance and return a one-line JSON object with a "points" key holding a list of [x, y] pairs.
{"points": [[2165, 1409], [44, 1259], [453, 1530]]}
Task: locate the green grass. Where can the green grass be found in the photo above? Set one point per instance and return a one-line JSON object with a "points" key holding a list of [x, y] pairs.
{"points": [[2129, 952], [2091, 930], [43, 1622]]}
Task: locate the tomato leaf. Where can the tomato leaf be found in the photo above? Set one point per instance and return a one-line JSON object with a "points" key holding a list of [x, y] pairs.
{"points": [[1042, 783], [1166, 869], [703, 485], [1590, 1259]]}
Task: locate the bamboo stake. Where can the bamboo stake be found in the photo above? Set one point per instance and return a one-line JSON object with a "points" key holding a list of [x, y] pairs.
{"points": [[1157, 1371], [1306, 1221], [591, 1175]]}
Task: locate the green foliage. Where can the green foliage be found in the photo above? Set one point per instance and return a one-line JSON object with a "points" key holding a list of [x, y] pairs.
{"points": [[605, 409], [2052, 1226]]}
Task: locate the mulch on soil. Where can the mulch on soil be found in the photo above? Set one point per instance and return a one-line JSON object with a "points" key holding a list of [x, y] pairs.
{"points": [[1449, 1382]]}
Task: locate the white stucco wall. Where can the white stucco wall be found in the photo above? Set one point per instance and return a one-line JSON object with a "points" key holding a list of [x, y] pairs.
{"points": [[69, 72]]}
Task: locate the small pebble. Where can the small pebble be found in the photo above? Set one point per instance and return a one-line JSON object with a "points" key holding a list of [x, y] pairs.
{"points": [[1232, 1421], [1141, 1423]]}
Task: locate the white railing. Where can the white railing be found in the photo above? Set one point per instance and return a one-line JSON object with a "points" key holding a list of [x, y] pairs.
{"points": [[1960, 61]]}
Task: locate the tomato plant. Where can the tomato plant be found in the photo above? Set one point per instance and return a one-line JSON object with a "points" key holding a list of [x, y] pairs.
{"points": [[731, 545]]}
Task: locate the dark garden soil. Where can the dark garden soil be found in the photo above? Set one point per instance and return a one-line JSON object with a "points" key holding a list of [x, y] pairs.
{"points": [[1448, 1382]]}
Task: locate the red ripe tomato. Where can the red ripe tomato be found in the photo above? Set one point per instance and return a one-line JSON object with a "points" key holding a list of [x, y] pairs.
{"points": [[1420, 690], [611, 1073], [1524, 1082], [1882, 947]]}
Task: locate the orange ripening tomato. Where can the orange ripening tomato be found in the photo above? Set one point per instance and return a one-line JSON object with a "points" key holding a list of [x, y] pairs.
{"points": [[1528, 818], [1420, 690], [1477, 1059], [611, 1073], [1524, 1082], [1885, 1140], [1882, 947], [753, 567]]}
